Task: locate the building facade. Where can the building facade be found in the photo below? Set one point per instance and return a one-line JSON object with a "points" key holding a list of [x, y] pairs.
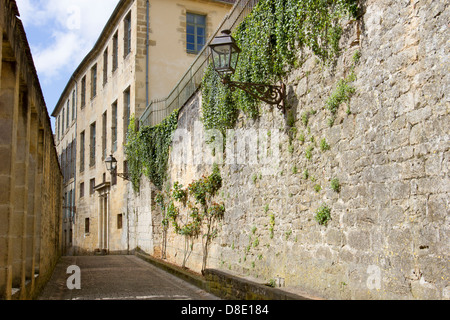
{"points": [[141, 53], [30, 176]]}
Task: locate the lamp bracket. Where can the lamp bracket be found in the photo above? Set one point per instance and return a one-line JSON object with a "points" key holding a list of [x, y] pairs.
{"points": [[270, 94], [124, 176]]}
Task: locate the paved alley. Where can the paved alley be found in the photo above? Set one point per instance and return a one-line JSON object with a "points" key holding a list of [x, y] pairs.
{"points": [[117, 277]]}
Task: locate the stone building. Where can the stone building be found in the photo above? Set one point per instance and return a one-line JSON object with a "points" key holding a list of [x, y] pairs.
{"points": [[140, 54], [30, 176]]}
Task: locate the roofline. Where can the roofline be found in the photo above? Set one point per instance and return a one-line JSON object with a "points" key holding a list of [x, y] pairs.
{"points": [[122, 4]]}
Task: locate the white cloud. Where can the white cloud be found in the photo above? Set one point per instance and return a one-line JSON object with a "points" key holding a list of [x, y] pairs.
{"points": [[62, 53], [32, 13], [73, 26]]}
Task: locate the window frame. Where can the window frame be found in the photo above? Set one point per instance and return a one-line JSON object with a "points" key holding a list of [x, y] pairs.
{"points": [[94, 79], [82, 150], [68, 112], [119, 221], [92, 146], [83, 92], [92, 186], [127, 35], [104, 134], [196, 35], [105, 66], [74, 113], [62, 122], [82, 190], [115, 52], [114, 122], [126, 111]]}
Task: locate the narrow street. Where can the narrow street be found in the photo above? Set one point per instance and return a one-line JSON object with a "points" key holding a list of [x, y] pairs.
{"points": [[118, 278]]}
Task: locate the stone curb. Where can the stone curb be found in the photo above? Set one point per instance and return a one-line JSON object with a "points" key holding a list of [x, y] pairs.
{"points": [[222, 284]]}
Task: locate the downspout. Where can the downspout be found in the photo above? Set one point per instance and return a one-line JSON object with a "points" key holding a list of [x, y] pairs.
{"points": [[147, 54], [75, 165]]}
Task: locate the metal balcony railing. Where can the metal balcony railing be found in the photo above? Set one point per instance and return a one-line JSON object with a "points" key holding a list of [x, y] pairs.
{"points": [[190, 82]]}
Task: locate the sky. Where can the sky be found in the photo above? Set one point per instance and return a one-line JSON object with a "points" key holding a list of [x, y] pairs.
{"points": [[60, 34]]}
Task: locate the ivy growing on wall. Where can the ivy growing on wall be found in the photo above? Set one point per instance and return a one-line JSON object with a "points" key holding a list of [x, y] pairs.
{"points": [[133, 151], [147, 150], [271, 37]]}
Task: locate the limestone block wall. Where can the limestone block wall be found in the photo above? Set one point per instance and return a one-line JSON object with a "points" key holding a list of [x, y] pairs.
{"points": [[388, 237], [30, 176]]}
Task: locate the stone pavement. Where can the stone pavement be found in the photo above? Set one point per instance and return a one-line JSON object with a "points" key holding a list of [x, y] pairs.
{"points": [[116, 277]]}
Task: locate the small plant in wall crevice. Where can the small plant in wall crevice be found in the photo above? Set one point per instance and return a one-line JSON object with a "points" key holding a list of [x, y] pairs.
{"points": [[323, 215]]}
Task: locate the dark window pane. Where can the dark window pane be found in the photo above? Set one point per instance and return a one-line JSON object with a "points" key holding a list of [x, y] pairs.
{"points": [[191, 47], [200, 19], [200, 31], [190, 18], [190, 29], [190, 38]]}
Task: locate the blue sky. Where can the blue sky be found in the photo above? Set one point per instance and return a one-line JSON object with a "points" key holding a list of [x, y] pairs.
{"points": [[61, 33]]}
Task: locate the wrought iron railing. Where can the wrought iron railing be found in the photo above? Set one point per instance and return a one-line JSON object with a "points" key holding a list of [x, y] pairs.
{"points": [[190, 82]]}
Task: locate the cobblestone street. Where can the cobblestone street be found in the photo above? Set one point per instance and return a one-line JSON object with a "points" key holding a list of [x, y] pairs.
{"points": [[118, 278]]}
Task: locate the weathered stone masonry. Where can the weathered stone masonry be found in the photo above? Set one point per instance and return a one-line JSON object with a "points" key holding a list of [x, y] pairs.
{"points": [[30, 177], [388, 237]]}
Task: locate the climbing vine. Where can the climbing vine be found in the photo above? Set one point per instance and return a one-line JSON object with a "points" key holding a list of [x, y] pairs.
{"points": [[271, 37], [201, 211], [147, 150]]}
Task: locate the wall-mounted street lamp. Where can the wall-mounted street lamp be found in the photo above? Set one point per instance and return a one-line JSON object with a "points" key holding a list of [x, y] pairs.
{"points": [[225, 55], [111, 166]]}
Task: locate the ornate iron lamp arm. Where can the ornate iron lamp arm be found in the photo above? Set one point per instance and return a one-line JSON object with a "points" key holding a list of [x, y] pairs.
{"points": [[270, 94], [124, 176]]}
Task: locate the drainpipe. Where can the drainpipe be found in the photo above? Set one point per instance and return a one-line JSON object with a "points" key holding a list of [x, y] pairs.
{"points": [[75, 164], [147, 54]]}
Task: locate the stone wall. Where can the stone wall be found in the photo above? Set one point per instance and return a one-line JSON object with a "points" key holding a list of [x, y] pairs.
{"points": [[30, 176], [388, 147]]}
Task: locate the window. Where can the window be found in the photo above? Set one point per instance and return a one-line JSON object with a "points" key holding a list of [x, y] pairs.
{"points": [[105, 66], [82, 151], [104, 118], [114, 128], [92, 148], [81, 190], [126, 111], [62, 123], [127, 37], [119, 221], [69, 204], [65, 206], [115, 60], [72, 158], [83, 92], [86, 225], [58, 126], [93, 81], [195, 32], [73, 105], [68, 113], [91, 186]]}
